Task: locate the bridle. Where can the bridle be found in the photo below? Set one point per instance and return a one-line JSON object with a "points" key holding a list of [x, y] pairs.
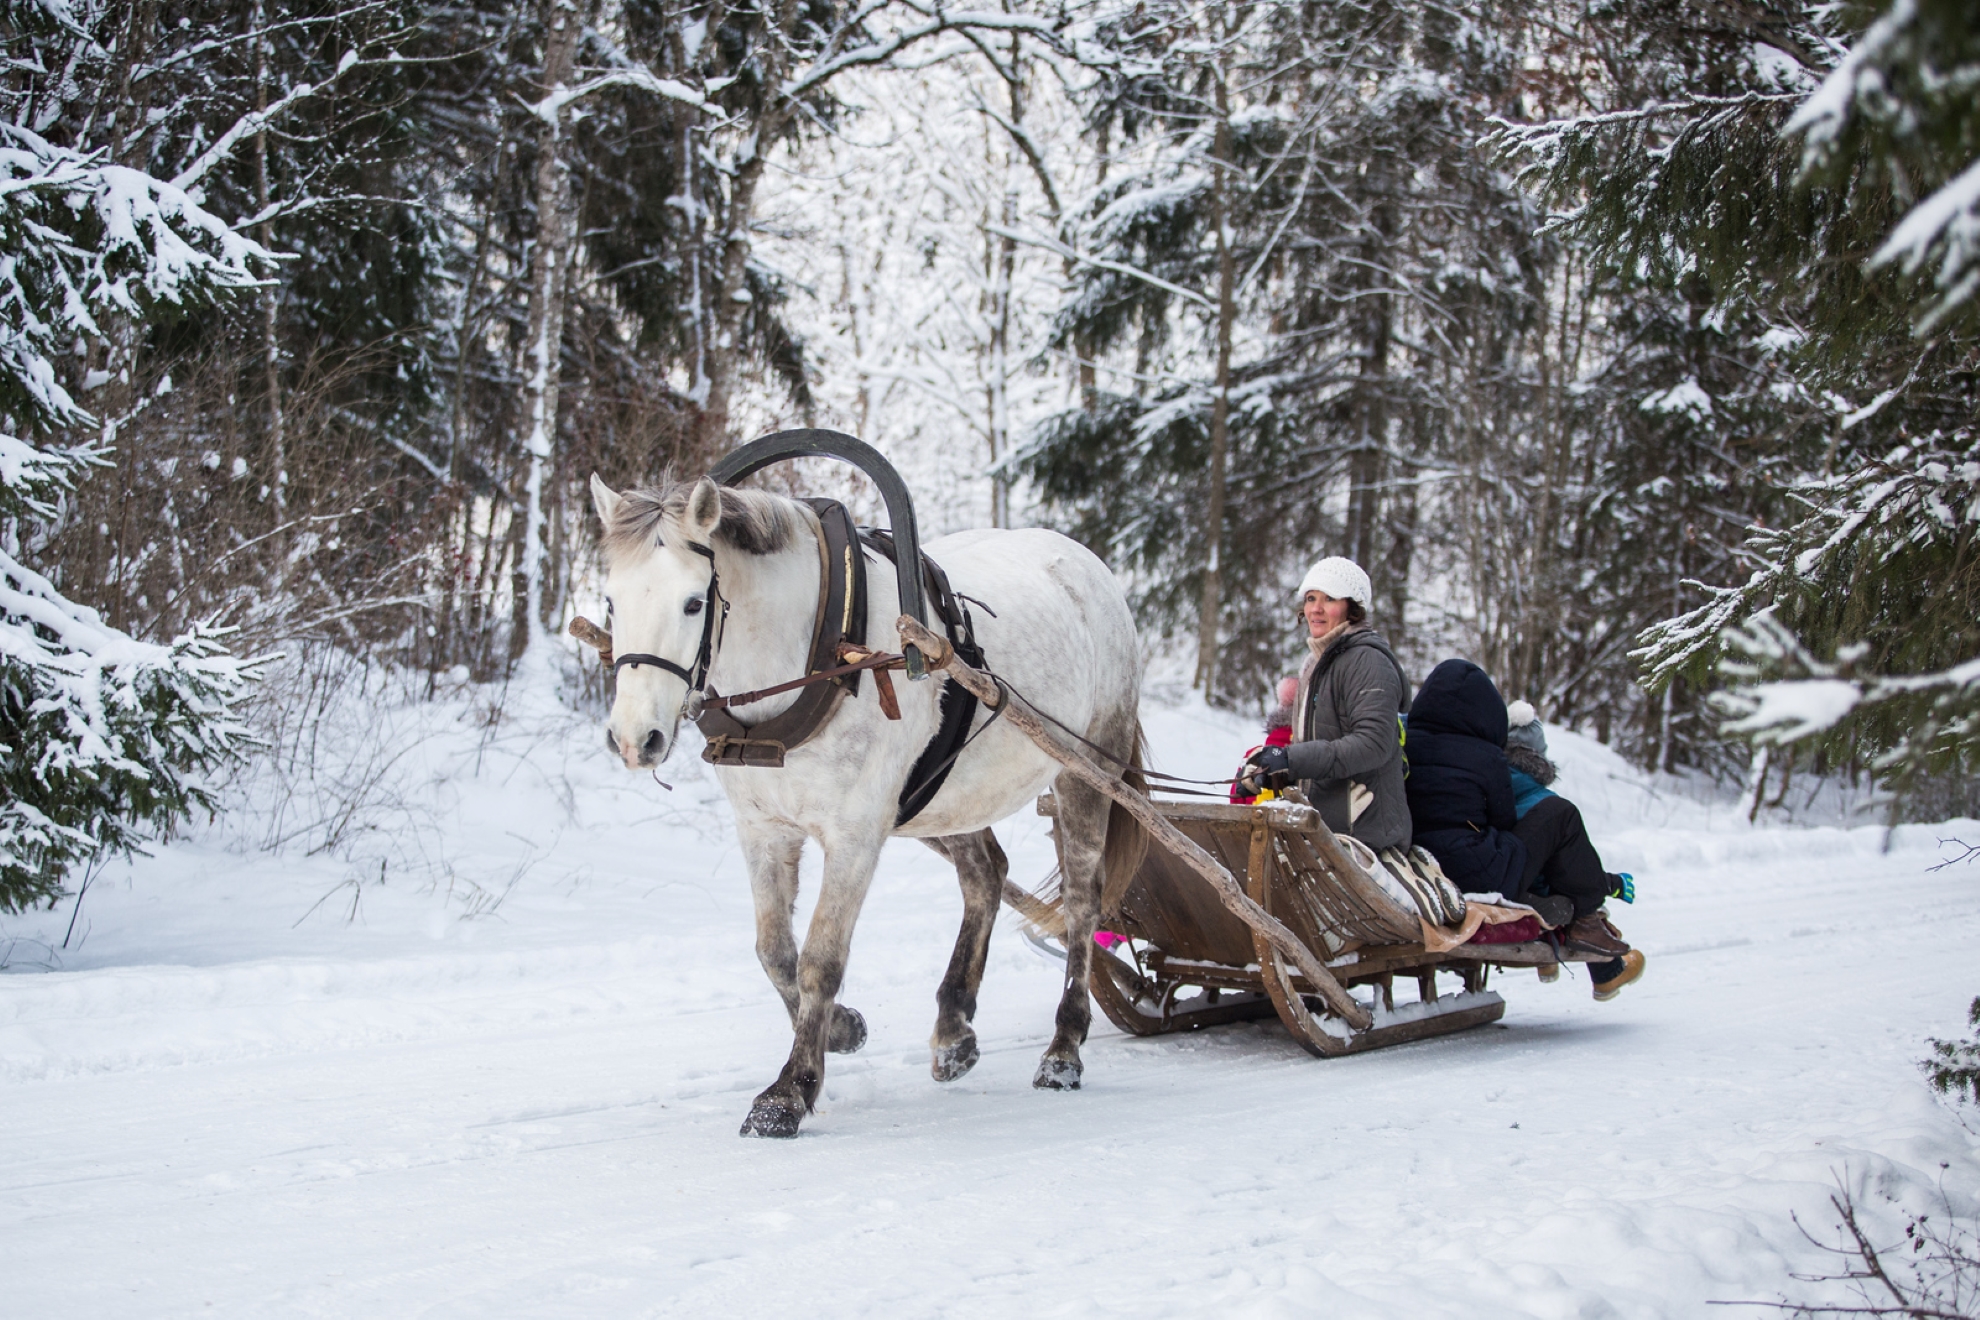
{"points": [[711, 638]]}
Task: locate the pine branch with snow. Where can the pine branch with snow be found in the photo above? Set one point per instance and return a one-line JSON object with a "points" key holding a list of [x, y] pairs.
{"points": [[1954, 1065], [1902, 106], [1878, 575], [103, 739], [86, 240]]}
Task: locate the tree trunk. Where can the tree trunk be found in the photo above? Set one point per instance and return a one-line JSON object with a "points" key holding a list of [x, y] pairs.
{"points": [[1083, 349], [1000, 312], [732, 297], [1004, 258], [271, 342], [1365, 466], [542, 355], [1397, 563], [1210, 609]]}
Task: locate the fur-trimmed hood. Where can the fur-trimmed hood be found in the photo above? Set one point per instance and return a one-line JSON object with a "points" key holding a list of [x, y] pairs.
{"points": [[1531, 764]]}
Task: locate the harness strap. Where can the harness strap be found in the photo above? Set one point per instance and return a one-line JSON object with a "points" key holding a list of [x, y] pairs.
{"points": [[931, 768], [838, 628], [878, 660]]}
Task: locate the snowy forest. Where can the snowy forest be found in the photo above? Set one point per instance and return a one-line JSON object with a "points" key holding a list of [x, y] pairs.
{"points": [[1630, 345]]}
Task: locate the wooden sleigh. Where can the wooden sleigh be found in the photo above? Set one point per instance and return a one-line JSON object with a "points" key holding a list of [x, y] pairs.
{"points": [[1189, 961], [1239, 912]]}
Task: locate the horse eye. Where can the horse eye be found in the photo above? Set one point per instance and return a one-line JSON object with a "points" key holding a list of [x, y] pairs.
{"points": [[694, 604]]}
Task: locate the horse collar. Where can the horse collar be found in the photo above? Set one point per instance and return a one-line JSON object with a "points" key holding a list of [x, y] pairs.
{"points": [[840, 618]]}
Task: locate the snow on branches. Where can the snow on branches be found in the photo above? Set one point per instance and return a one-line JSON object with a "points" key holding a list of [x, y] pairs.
{"points": [[80, 240], [1903, 100], [102, 737], [1788, 710], [1875, 566]]}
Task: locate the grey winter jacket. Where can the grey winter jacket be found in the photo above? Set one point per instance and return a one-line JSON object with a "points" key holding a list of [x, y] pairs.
{"points": [[1350, 695]]}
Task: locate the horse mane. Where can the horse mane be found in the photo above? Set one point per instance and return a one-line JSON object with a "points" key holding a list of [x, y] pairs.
{"points": [[753, 521]]}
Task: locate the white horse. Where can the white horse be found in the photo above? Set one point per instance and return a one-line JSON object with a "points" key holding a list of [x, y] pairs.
{"points": [[1061, 633]]}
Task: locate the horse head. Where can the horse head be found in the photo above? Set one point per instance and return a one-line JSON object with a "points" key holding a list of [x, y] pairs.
{"points": [[664, 608], [666, 550]]}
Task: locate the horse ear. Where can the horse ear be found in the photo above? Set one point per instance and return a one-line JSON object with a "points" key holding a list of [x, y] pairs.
{"points": [[604, 499], [704, 509]]}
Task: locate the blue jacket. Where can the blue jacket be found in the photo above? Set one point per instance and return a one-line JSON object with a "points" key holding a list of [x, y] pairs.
{"points": [[1461, 802], [1527, 791]]}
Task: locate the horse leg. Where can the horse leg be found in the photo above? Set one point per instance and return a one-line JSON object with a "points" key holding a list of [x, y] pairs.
{"points": [[772, 855], [821, 968], [980, 867], [1082, 830]]}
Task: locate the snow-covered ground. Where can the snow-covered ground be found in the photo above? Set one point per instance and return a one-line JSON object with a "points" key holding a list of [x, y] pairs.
{"points": [[506, 1081]]}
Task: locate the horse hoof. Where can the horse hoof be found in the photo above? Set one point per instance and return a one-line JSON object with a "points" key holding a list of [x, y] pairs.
{"points": [[770, 1117], [1057, 1075], [954, 1059], [848, 1030]]}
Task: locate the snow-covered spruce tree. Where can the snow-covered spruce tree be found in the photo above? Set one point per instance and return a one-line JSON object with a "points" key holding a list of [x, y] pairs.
{"points": [[1855, 636], [103, 738], [1413, 315], [1660, 151], [1379, 276], [1954, 1065], [1158, 260], [237, 488]]}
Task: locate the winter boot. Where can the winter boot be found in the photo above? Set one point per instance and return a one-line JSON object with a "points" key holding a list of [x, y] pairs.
{"points": [[1632, 969], [1556, 910], [1550, 973], [1591, 934]]}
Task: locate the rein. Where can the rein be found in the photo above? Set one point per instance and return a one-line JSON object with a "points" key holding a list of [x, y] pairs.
{"points": [[857, 662], [1094, 747], [877, 663], [854, 659]]}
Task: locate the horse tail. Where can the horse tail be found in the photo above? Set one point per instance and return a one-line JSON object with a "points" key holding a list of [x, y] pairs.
{"points": [[1127, 839]]}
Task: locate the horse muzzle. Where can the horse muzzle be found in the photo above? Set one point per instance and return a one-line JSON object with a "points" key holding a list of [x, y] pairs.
{"points": [[641, 749]]}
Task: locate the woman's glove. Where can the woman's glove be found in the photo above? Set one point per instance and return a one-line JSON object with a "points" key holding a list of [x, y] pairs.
{"points": [[1269, 767], [1360, 799]]}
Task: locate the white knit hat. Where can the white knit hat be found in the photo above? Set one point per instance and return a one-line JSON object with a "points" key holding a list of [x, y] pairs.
{"points": [[1523, 728], [1343, 579]]}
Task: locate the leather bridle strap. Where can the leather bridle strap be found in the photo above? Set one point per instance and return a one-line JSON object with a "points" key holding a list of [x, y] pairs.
{"points": [[705, 655]]}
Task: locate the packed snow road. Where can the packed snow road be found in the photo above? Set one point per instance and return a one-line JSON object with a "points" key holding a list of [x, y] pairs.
{"points": [[225, 1101]]}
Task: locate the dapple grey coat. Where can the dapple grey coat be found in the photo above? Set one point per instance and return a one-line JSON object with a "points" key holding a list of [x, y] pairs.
{"points": [[1347, 733]]}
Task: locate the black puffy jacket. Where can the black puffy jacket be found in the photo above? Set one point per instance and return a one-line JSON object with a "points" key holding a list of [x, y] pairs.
{"points": [[1460, 790]]}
